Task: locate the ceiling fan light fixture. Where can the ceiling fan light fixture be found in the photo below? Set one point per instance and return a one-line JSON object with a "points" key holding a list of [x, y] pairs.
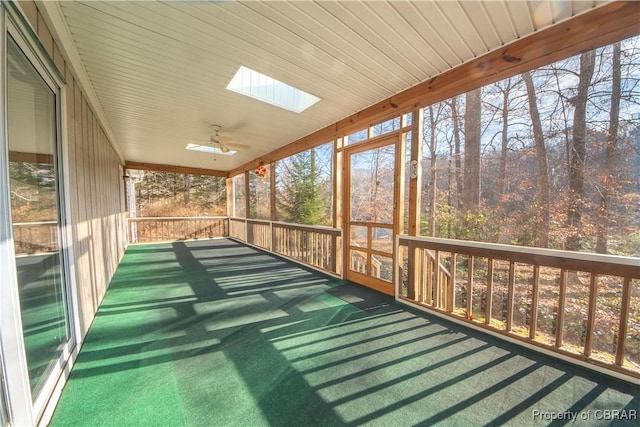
{"points": [[211, 149]]}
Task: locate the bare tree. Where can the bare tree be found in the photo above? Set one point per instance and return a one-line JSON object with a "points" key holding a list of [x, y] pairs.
{"points": [[432, 144], [610, 150], [543, 219], [472, 132], [578, 152], [453, 104]]}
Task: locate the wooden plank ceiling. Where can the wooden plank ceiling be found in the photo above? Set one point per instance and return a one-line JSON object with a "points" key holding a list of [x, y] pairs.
{"points": [[160, 69]]}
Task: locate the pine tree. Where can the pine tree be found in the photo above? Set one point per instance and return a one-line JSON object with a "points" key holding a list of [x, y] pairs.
{"points": [[301, 199]]}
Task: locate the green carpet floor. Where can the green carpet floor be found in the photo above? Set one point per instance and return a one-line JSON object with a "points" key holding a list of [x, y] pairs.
{"points": [[214, 333]]}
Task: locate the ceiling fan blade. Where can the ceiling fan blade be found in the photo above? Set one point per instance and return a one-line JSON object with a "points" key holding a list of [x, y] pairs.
{"points": [[225, 139], [239, 146], [199, 141], [223, 147]]}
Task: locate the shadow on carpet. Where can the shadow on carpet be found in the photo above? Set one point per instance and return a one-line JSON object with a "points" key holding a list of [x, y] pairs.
{"points": [[215, 333]]}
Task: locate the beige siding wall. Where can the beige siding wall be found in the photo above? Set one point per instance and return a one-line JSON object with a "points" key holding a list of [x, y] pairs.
{"points": [[95, 187]]}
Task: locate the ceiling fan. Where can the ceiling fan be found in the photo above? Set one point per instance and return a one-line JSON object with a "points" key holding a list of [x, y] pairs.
{"points": [[223, 143]]}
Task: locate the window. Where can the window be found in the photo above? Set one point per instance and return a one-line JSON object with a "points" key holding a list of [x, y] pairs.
{"points": [[266, 89], [304, 186], [239, 196], [260, 195], [545, 174]]}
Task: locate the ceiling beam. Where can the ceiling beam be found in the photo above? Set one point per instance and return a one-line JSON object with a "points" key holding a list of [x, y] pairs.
{"points": [[598, 27], [174, 169]]}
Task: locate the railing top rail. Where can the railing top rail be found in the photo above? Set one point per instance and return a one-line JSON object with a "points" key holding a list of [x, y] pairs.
{"points": [[32, 224], [324, 228], [570, 260], [257, 221], [176, 218], [310, 227]]}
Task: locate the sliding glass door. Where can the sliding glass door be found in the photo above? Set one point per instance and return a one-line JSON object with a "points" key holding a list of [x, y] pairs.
{"points": [[36, 217], [4, 416]]}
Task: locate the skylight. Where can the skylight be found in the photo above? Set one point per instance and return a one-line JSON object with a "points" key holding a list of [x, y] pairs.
{"points": [[210, 149], [266, 89]]}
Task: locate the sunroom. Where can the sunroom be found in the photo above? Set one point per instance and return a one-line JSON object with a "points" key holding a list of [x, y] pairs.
{"points": [[412, 212]]}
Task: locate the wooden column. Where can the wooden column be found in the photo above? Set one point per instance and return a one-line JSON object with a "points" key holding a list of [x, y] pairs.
{"points": [[247, 201], [339, 245], [415, 184], [230, 210], [272, 190], [338, 183]]}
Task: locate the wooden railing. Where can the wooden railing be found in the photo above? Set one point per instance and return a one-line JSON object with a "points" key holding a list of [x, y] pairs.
{"points": [[317, 246], [582, 306], [238, 228], [35, 237], [158, 229]]}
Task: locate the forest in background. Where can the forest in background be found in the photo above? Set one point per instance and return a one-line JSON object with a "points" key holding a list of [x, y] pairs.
{"points": [[549, 158], [166, 194]]}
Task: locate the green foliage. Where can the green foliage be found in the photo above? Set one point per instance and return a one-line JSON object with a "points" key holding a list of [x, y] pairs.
{"points": [[303, 198], [481, 225], [628, 245]]}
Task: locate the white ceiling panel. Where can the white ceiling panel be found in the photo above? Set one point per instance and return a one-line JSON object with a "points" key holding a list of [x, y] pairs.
{"points": [[160, 69]]}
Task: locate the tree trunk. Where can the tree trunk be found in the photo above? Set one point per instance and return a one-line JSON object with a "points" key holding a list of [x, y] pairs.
{"points": [[457, 155], [543, 219], [502, 177], [504, 147], [608, 176], [472, 133], [187, 188], [578, 153]]}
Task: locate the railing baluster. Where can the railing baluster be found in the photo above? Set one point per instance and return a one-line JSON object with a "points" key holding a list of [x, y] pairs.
{"points": [[534, 302], [561, 303], [437, 275], [437, 289], [470, 261], [591, 314], [411, 271], [510, 290], [624, 318], [452, 286], [428, 297], [489, 300], [420, 276]]}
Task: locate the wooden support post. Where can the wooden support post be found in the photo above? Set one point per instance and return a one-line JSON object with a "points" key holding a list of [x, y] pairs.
{"points": [[338, 183], [272, 191], [230, 198], [247, 198], [415, 184]]}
